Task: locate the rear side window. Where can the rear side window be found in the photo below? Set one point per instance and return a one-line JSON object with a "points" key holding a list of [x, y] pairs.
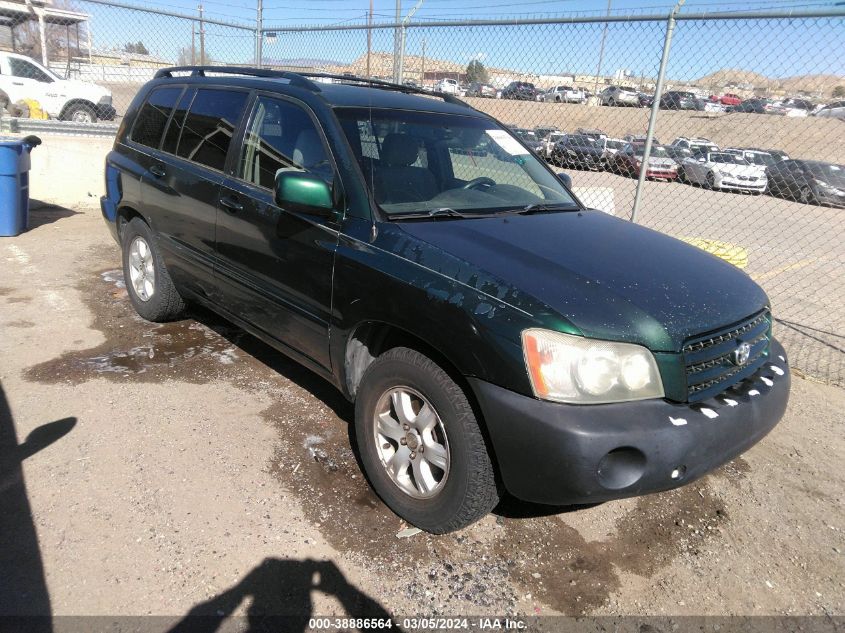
{"points": [[174, 130], [152, 119], [210, 126]]}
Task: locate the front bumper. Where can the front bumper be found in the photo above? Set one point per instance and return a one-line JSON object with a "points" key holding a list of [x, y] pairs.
{"points": [[825, 196], [566, 454], [726, 182], [668, 174], [106, 112]]}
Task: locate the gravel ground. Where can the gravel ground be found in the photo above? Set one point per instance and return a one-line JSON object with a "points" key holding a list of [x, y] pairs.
{"points": [[188, 468]]}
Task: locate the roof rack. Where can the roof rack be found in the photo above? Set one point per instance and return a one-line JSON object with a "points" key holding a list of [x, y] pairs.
{"points": [[301, 80], [295, 79]]}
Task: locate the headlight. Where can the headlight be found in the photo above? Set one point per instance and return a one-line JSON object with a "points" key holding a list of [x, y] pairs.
{"points": [[567, 368]]}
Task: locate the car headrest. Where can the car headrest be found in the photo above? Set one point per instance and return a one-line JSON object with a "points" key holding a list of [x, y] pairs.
{"points": [[308, 150], [399, 150]]}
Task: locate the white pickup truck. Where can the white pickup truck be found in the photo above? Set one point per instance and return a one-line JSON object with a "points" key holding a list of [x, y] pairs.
{"points": [[22, 78]]}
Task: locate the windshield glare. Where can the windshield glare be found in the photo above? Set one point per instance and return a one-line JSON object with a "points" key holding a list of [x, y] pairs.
{"points": [[418, 161], [731, 159]]}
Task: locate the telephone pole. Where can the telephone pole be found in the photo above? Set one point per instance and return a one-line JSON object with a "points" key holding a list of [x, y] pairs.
{"points": [[202, 38], [259, 34], [369, 37], [396, 44]]}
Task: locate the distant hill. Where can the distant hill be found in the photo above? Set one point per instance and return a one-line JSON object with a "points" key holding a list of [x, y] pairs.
{"points": [[800, 83]]}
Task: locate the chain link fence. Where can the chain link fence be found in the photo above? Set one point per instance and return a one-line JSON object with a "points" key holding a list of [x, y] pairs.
{"points": [[745, 157]]}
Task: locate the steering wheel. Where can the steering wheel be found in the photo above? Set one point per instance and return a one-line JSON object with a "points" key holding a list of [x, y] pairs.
{"points": [[477, 182]]}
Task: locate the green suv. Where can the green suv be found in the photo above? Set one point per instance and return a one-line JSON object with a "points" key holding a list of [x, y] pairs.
{"points": [[495, 335]]}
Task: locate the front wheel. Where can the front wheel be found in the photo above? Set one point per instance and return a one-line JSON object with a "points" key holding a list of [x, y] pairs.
{"points": [[710, 181], [806, 195], [80, 113], [421, 445]]}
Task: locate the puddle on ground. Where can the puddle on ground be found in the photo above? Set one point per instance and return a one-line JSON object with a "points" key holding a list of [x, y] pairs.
{"points": [[500, 563]]}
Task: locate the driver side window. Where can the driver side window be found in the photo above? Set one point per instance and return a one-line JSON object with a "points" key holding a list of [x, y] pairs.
{"points": [[281, 135], [24, 69]]}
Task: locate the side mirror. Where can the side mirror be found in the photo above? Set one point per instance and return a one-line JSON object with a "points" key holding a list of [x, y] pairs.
{"points": [[301, 191], [565, 179]]}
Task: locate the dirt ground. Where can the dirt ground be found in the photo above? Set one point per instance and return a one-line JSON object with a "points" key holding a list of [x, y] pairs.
{"points": [[188, 468]]}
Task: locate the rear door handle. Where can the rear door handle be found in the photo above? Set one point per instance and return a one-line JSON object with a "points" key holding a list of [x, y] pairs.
{"points": [[231, 204], [157, 171]]}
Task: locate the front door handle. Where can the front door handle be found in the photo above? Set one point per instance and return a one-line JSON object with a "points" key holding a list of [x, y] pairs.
{"points": [[157, 171], [231, 204], [17, 83]]}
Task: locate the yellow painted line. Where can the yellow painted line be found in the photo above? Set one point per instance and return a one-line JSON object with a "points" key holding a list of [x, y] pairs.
{"points": [[785, 269], [736, 255]]}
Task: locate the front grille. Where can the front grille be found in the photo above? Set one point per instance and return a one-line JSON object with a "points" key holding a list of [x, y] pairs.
{"points": [[708, 358]]}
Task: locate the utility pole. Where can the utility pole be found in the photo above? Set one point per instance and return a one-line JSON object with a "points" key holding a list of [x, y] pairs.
{"points": [[193, 44], [601, 51], [202, 38], [369, 37], [396, 37], [259, 34]]}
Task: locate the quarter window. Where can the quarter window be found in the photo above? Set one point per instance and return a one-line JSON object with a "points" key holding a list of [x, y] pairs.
{"points": [[152, 119], [281, 135], [210, 126]]}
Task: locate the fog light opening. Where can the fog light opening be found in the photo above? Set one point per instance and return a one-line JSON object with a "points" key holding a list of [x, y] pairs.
{"points": [[621, 467], [678, 473]]}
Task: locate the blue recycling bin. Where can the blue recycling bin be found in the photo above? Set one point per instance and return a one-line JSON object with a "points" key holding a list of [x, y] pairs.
{"points": [[14, 184]]}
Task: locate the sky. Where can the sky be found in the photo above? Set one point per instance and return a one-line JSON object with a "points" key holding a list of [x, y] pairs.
{"points": [[774, 48]]}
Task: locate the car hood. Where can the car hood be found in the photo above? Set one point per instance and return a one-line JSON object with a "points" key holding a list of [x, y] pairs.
{"points": [[740, 170], [74, 87], [583, 149], [609, 278]]}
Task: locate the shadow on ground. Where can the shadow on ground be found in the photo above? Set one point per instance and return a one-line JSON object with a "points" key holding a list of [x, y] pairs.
{"points": [[24, 590], [41, 213], [280, 595]]}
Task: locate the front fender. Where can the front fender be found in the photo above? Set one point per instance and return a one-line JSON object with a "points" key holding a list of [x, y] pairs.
{"points": [[385, 281]]}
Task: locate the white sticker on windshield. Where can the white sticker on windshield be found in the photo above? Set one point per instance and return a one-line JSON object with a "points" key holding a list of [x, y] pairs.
{"points": [[507, 142]]}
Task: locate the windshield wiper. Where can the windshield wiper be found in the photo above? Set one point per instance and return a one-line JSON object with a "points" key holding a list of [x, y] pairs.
{"points": [[441, 212], [538, 207]]}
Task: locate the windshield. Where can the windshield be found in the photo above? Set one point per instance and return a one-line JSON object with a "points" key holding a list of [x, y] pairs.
{"points": [[759, 159], [731, 159], [657, 151], [422, 161], [828, 170], [584, 141]]}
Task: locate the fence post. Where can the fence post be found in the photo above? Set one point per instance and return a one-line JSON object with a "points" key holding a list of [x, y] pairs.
{"points": [[259, 34], [655, 107]]}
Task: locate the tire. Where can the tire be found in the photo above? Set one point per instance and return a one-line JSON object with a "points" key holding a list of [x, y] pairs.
{"points": [[806, 195], [153, 295], [682, 175], [80, 113], [4, 100], [440, 501], [710, 181]]}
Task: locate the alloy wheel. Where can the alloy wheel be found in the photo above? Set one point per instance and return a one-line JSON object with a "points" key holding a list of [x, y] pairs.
{"points": [[141, 269]]}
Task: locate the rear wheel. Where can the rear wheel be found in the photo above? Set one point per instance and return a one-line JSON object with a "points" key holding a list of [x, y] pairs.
{"points": [[682, 175], [148, 283], [710, 180], [420, 443]]}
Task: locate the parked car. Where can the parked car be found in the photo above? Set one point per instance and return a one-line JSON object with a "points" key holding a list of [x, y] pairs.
{"points": [[592, 133], [549, 142], [529, 138], [835, 110], [754, 106], [729, 99], [679, 100], [645, 100], [493, 333], [723, 170], [542, 131], [629, 162], [619, 96], [476, 89], [639, 138], [22, 78], [578, 151], [777, 154], [563, 94], [808, 181], [753, 156], [609, 147], [793, 107], [683, 147], [447, 86], [522, 90]]}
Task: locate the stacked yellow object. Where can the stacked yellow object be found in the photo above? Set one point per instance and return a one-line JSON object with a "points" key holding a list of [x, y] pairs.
{"points": [[736, 255]]}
